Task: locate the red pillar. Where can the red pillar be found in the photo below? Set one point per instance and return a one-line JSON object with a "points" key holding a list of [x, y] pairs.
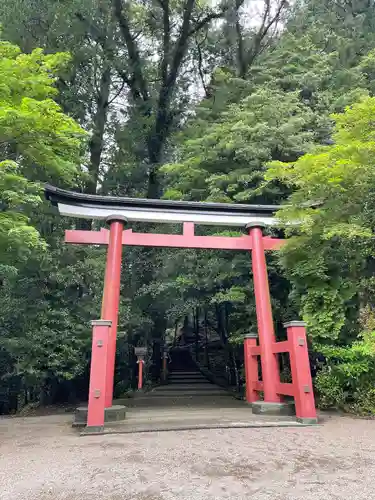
{"points": [[99, 353], [141, 353], [165, 365], [301, 374], [164, 371], [270, 369], [251, 368], [140, 373], [111, 297]]}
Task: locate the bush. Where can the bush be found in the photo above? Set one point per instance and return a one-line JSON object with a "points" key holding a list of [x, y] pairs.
{"points": [[330, 391], [365, 402], [347, 381]]}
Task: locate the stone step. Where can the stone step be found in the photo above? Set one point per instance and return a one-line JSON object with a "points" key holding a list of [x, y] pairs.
{"points": [[218, 400], [184, 381], [186, 393], [187, 387], [177, 373]]}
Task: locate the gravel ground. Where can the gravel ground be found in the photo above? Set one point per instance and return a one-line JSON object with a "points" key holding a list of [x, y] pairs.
{"points": [[42, 458]]}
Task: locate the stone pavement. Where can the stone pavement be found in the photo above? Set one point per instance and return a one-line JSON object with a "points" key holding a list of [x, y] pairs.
{"points": [[189, 401], [235, 415], [43, 458]]}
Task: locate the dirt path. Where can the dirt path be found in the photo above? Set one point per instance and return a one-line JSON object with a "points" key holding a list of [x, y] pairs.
{"points": [[42, 458]]}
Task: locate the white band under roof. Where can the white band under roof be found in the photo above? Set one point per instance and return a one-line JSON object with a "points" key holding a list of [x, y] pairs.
{"points": [[145, 214]]}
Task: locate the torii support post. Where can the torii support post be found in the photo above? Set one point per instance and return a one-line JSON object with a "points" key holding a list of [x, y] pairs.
{"points": [[266, 332], [97, 389], [251, 368], [111, 298], [301, 388], [301, 373]]}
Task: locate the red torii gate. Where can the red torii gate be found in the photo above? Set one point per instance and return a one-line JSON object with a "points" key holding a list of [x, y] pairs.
{"points": [[105, 330]]}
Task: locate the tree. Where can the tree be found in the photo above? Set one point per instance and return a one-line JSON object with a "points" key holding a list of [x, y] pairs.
{"points": [[329, 257], [38, 142], [226, 160], [90, 83], [172, 28]]}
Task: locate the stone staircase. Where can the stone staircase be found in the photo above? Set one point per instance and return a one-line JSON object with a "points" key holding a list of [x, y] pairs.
{"points": [[188, 401], [186, 386]]}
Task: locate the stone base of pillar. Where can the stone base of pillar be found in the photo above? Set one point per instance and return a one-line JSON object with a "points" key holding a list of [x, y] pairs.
{"points": [[307, 421], [114, 413], [92, 430], [264, 408]]}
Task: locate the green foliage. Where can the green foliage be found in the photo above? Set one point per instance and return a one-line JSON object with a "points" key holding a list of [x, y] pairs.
{"points": [[235, 295], [38, 142], [329, 390], [226, 161], [17, 237], [47, 309], [332, 203], [347, 380], [33, 129]]}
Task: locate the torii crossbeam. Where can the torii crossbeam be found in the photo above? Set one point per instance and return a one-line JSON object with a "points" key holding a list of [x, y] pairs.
{"points": [[185, 240]]}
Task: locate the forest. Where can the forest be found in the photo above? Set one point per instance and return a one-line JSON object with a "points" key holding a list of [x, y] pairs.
{"points": [[237, 101]]}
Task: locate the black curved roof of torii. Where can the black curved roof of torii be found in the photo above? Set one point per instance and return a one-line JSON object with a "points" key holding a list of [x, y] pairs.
{"points": [[57, 195]]}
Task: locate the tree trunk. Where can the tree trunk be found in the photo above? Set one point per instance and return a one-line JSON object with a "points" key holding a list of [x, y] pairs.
{"points": [[153, 187], [206, 339], [235, 368], [99, 123], [196, 328], [175, 333], [97, 139], [223, 340]]}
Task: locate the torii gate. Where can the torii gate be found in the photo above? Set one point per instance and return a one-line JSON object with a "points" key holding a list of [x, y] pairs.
{"points": [[118, 212]]}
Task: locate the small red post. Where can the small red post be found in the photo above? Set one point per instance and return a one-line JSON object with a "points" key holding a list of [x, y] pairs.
{"points": [[301, 374], [99, 353], [251, 368], [111, 297], [164, 374], [140, 352], [270, 369], [140, 373]]}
